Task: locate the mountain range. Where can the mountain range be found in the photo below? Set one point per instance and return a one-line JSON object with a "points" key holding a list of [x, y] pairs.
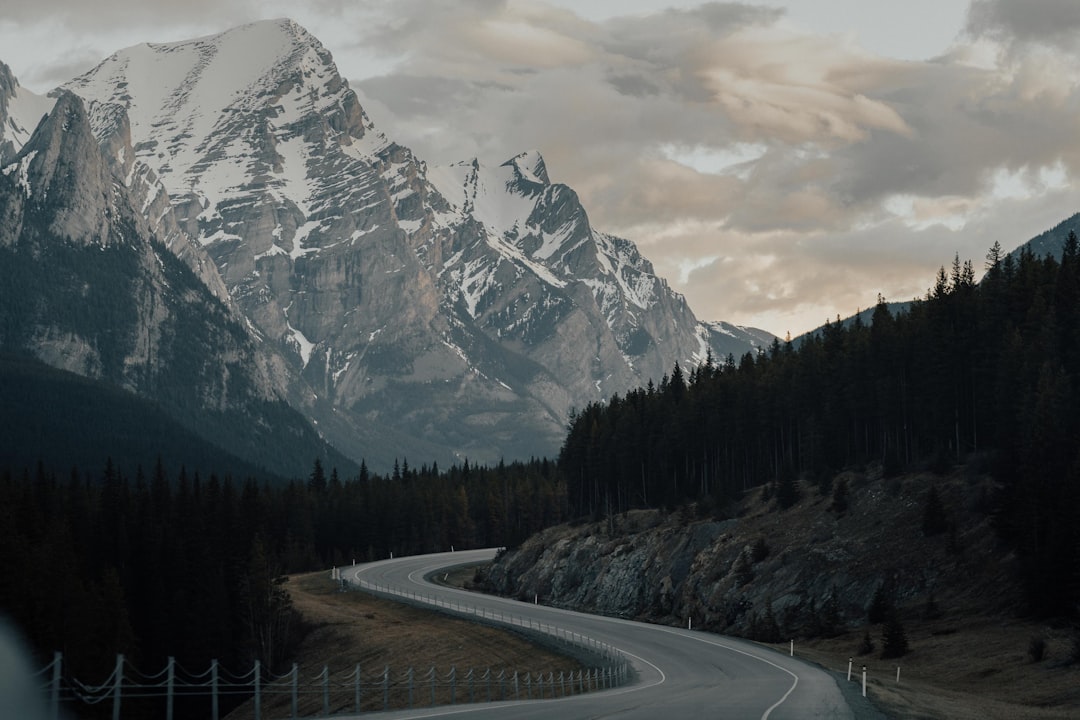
{"points": [[218, 226]]}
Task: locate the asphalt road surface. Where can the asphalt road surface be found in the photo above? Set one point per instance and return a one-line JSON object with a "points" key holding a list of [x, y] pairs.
{"points": [[680, 673]]}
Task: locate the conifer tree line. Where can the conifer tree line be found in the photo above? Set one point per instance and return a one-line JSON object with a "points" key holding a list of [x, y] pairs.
{"points": [[193, 566], [988, 370]]}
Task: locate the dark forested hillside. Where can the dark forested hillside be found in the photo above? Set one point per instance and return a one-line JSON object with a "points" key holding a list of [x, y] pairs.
{"points": [[72, 421], [170, 563], [986, 371]]}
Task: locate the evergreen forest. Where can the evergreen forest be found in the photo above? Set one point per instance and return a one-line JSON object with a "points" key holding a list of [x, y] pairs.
{"points": [[985, 372], [163, 564]]}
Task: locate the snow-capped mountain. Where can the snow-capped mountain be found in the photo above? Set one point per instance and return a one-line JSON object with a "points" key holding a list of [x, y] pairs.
{"points": [[438, 313], [95, 278]]}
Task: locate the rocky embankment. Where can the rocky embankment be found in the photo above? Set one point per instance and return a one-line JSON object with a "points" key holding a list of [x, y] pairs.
{"points": [[810, 570]]}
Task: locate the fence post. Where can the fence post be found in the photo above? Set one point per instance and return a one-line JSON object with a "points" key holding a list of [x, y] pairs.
{"points": [[170, 683], [117, 686], [257, 672], [325, 690], [213, 689], [295, 682], [356, 689], [54, 690]]}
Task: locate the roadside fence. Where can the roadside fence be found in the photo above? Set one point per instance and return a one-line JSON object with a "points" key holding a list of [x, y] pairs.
{"points": [[298, 694]]}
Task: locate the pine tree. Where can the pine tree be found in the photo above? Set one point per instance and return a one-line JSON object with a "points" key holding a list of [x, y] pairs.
{"points": [[880, 605], [894, 641]]}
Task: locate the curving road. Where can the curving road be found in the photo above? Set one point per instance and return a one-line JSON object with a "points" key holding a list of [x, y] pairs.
{"points": [[680, 673]]}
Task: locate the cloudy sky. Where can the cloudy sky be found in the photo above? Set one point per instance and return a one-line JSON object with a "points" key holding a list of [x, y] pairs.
{"points": [[780, 162]]}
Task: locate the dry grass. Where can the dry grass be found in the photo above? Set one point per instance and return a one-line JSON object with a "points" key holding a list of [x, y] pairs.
{"points": [[353, 628], [977, 669]]}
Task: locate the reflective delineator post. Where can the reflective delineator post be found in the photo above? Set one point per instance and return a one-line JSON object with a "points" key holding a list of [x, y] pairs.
{"points": [[792, 648], [864, 681], [897, 674], [849, 669]]}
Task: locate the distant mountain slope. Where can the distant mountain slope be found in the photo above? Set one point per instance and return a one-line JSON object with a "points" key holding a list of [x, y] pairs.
{"points": [[439, 313], [66, 420], [1052, 241]]}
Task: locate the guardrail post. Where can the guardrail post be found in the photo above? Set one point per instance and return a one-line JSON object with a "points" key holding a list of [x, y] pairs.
{"points": [[54, 688], [117, 686], [257, 672]]}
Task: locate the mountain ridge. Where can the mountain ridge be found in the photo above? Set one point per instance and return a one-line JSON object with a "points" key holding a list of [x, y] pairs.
{"points": [[410, 307], [88, 287]]}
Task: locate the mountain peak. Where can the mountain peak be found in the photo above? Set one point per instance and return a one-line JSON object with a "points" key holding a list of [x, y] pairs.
{"points": [[529, 167], [20, 112]]}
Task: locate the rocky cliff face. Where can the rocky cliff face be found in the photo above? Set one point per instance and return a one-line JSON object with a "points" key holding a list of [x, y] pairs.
{"points": [[812, 570], [436, 312], [88, 286]]}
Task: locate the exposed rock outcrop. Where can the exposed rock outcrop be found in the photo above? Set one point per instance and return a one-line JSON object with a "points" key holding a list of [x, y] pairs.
{"points": [[808, 571]]}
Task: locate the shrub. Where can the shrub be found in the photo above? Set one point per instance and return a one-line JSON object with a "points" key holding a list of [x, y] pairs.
{"points": [[1037, 648], [760, 551], [840, 497]]}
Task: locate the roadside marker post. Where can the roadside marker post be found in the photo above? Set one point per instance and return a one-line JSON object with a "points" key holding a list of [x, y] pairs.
{"points": [[864, 681], [849, 669]]}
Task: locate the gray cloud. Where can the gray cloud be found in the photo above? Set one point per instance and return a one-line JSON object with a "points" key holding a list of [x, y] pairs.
{"points": [[866, 172], [1052, 21]]}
